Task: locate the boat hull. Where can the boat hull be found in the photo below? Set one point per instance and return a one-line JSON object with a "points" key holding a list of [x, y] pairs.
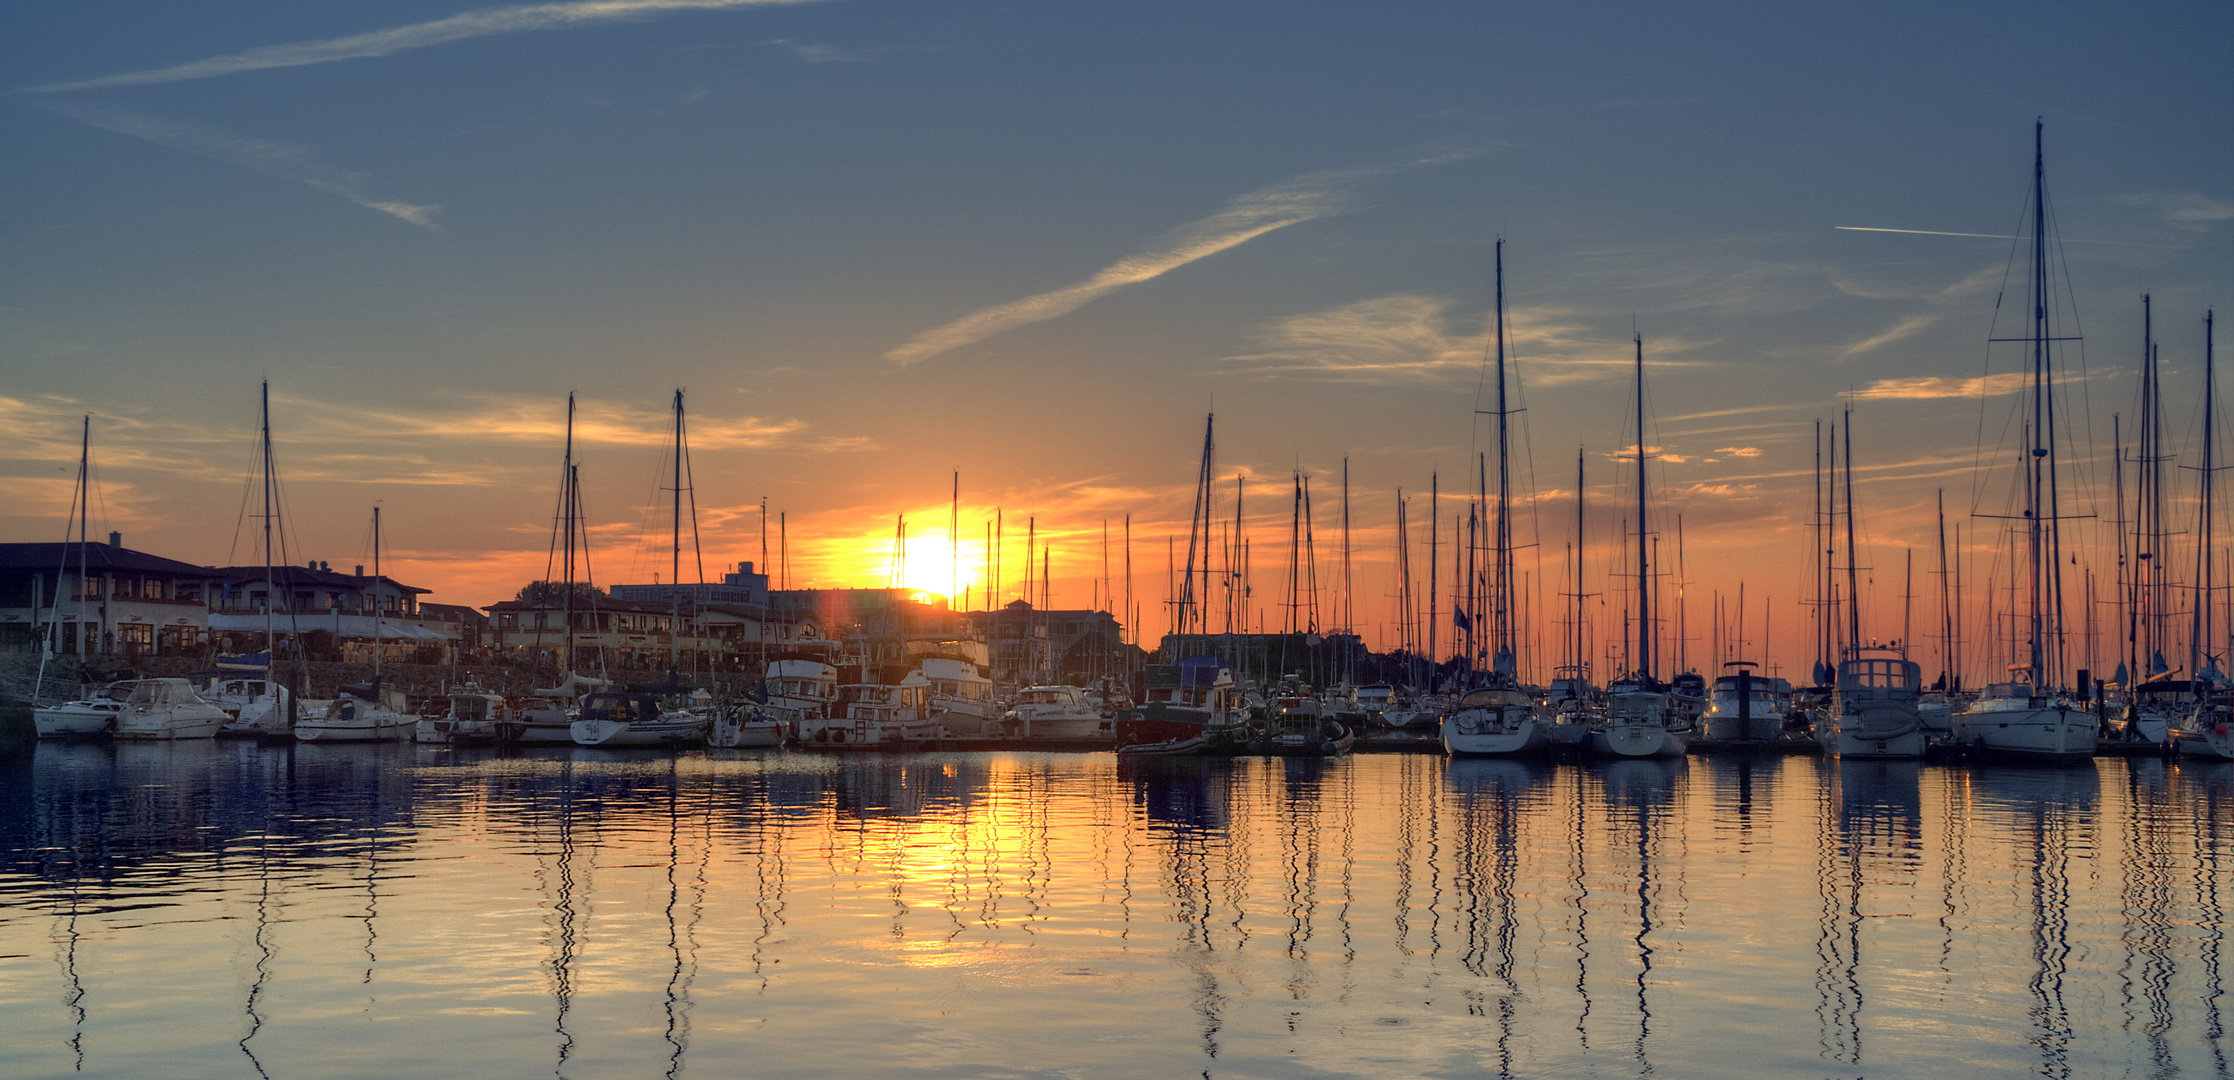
{"points": [[2045, 734], [1638, 741], [73, 722], [1466, 734], [628, 733], [1864, 744]]}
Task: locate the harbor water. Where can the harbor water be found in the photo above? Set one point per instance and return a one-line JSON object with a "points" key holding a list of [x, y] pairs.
{"points": [[230, 910]]}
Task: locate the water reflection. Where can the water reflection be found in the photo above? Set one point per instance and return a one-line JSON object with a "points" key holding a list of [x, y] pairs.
{"points": [[620, 913]]}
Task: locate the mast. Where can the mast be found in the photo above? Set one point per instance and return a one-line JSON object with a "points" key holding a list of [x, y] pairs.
{"points": [[1946, 613], [378, 631], [1582, 660], [1434, 569], [1502, 588], [271, 587], [1821, 572], [54, 603], [1644, 568], [1853, 593], [2199, 640], [2034, 537], [567, 497]]}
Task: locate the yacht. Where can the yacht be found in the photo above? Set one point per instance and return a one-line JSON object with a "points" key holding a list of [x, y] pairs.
{"points": [[880, 714], [961, 696], [634, 718], [548, 717], [1875, 708], [1638, 723], [745, 726], [1052, 712], [254, 705], [1744, 708], [364, 712], [2204, 733], [90, 717], [2017, 719], [1495, 722], [167, 709], [800, 691], [476, 714]]}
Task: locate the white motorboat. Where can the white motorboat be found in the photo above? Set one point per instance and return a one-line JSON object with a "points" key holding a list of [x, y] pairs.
{"points": [[476, 714], [167, 709], [89, 717], [1052, 712], [745, 727], [800, 691], [1874, 711], [629, 718], [1495, 722], [254, 705], [1744, 707], [2015, 719], [548, 717], [880, 714], [2204, 733], [363, 712], [1638, 724], [1375, 700], [961, 698]]}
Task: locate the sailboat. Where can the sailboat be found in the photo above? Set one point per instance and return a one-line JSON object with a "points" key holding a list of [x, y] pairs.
{"points": [[368, 711], [2203, 730], [259, 707], [1639, 720], [547, 717], [94, 715], [1875, 702], [1498, 719], [2027, 716]]}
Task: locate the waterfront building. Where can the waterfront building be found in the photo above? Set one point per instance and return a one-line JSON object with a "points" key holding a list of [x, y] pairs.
{"points": [[102, 599]]}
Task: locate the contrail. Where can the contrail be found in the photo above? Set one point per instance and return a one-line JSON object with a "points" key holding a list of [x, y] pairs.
{"points": [[1980, 235], [470, 24], [1244, 219]]}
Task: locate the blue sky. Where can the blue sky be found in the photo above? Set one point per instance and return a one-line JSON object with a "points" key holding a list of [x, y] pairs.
{"points": [[881, 241]]}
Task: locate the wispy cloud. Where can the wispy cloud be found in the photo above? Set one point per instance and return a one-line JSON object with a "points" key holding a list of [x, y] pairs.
{"points": [[826, 54], [543, 420], [1905, 328], [1740, 451], [283, 160], [1244, 219], [1411, 338], [472, 24], [2188, 212], [1944, 386]]}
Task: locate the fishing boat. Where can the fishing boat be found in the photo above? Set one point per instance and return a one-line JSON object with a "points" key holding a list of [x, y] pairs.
{"points": [[90, 717], [2028, 717], [880, 715], [799, 690], [167, 709], [619, 718]]}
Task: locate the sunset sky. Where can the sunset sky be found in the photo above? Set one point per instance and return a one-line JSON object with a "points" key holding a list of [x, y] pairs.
{"points": [[879, 242]]}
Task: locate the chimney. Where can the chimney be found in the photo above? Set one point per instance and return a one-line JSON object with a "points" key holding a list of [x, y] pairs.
{"points": [[360, 569], [116, 540]]}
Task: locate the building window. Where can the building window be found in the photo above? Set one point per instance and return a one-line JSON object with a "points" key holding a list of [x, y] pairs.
{"points": [[153, 589], [134, 639]]}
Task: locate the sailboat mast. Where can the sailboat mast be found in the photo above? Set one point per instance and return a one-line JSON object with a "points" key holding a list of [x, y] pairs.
{"points": [[1946, 614], [1644, 567], [566, 514], [271, 588], [1853, 586], [1582, 659], [2199, 639], [1502, 591], [1434, 568], [378, 631], [2035, 552]]}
